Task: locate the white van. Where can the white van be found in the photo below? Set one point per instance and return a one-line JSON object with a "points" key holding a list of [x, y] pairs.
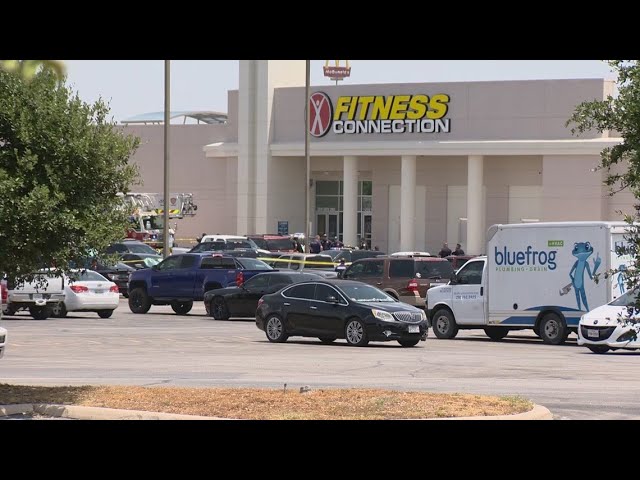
{"points": [[234, 239], [536, 276]]}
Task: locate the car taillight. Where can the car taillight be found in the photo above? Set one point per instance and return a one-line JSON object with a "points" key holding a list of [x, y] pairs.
{"points": [[114, 289], [4, 293], [239, 279], [412, 286], [261, 301], [79, 288]]}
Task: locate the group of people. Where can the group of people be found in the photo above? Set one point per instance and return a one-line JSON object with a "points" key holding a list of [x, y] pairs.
{"points": [[446, 251], [317, 245]]}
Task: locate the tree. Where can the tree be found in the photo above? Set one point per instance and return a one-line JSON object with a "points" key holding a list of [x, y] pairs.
{"points": [[27, 69], [621, 162], [61, 165]]}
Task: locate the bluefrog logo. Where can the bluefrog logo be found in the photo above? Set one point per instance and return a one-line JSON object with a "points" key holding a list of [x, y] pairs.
{"points": [[525, 260]]}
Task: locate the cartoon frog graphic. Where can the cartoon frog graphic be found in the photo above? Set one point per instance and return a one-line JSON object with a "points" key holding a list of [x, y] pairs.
{"points": [[582, 251]]}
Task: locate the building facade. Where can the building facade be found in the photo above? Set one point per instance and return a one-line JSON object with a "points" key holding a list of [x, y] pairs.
{"points": [[400, 166]]}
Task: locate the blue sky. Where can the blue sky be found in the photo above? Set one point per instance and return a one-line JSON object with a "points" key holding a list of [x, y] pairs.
{"points": [[136, 86]]}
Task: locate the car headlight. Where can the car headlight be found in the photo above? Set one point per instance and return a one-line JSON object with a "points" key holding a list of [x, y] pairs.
{"points": [[582, 318], [382, 315], [423, 315]]}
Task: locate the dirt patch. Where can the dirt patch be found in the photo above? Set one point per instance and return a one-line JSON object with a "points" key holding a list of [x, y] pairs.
{"points": [[272, 404]]}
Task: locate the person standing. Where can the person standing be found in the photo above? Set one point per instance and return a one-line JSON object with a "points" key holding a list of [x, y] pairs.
{"points": [[446, 251], [315, 246], [458, 250]]}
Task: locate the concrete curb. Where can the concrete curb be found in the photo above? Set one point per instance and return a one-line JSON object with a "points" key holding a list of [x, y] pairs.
{"points": [[97, 413], [94, 413], [537, 413]]}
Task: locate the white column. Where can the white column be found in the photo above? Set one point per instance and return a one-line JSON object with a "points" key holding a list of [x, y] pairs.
{"points": [[407, 203], [475, 215], [350, 201]]}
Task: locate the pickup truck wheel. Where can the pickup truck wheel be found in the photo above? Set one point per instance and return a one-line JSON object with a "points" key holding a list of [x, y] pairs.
{"points": [[182, 308], [139, 301], [553, 330], [40, 313], [105, 313], [496, 333], [59, 310], [444, 325], [219, 309]]}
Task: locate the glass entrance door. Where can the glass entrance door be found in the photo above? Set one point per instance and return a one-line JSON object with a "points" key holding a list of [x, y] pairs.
{"points": [[328, 223]]}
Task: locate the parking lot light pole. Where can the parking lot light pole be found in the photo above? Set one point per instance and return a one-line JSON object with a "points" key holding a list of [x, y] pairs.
{"points": [[307, 184], [167, 119]]}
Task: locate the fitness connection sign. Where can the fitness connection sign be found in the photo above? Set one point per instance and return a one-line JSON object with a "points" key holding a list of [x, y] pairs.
{"points": [[388, 114]]}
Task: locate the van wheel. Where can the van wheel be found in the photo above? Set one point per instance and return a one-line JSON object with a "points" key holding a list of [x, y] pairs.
{"points": [[553, 330], [444, 325], [496, 333], [40, 313]]}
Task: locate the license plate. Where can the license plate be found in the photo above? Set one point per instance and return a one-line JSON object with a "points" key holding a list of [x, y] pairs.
{"points": [[37, 296], [593, 334], [414, 329], [99, 291]]}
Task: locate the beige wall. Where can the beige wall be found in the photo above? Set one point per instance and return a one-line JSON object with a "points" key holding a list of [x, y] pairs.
{"points": [[190, 172]]}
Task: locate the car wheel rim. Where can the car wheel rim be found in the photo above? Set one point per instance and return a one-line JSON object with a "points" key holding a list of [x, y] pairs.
{"points": [[135, 299], [56, 310], [355, 332], [442, 324], [218, 309], [274, 328], [551, 329]]}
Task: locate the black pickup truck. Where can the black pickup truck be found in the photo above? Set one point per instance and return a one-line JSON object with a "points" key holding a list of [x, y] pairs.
{"points": [[179, 280]]}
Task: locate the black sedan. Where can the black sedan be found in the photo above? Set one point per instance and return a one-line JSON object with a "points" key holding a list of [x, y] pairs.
{"points": [[242, 301], [331, 309], [118, 274]]}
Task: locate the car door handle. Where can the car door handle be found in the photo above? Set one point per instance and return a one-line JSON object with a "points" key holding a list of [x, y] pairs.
{"points": [[286, 304], [379, 283], [313, 308]]}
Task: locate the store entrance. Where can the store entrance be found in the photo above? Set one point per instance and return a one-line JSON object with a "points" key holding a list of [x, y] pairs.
{"points": [[329, 223]]}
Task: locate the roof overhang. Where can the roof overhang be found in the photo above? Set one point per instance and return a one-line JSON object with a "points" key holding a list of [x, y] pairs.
{"points": [[592, 146]]}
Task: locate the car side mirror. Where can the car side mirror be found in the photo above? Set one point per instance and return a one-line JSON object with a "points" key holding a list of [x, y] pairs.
{"points": [[332, 299]]}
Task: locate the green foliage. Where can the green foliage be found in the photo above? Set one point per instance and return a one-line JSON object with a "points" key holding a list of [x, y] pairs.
{"points": [[620, 114], [61, 165], [27, 69]]}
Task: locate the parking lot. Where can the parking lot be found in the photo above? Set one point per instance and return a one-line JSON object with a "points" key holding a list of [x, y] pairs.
{"points": [[161, 348]]}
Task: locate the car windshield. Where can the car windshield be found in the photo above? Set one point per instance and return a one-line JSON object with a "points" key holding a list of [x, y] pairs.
{"points": [[279, 244], [434, 270], [139, 248], [238, 244], [153, 222], [332, 253], [260, 242], [626, 300], [365, 293], [253, 264], [86, 275], [208, 247], [151, 261]]}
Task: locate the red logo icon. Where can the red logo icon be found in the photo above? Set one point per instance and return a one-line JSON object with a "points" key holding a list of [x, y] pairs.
{"points": [[320, 114]]}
